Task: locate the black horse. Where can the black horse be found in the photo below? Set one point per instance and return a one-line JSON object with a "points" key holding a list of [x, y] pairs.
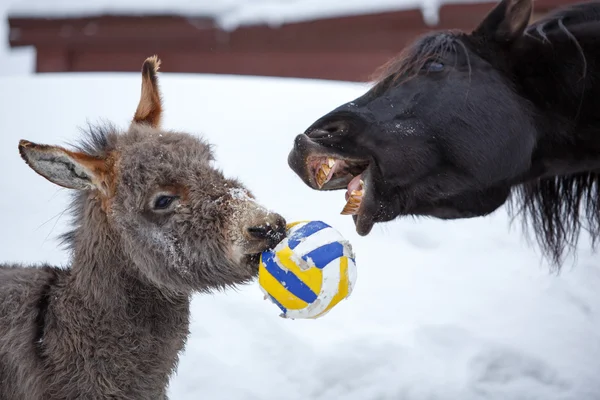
{"points": [[460, 123]]}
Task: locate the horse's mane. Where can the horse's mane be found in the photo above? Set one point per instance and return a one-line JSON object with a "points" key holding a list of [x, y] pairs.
{"points": [[410, 60], [559, 21], [557, 209]]}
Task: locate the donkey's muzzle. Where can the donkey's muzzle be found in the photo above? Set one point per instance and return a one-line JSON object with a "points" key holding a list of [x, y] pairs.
{"points": [[271, 232]]}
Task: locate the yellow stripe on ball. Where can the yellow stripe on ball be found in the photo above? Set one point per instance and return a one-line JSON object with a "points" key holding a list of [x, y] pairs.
{"points": [[278, 291], [312, 277], [342, 288], [293, 224]]}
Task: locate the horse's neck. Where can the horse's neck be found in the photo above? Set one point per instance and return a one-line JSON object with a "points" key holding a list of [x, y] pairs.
{"points": [[558, 76]]}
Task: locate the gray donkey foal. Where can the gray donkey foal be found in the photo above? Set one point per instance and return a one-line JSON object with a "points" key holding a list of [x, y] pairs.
{"points": [[154, 223]]}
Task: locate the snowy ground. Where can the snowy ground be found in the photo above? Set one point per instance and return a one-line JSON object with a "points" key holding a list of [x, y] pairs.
{"points": [[460, 310]]}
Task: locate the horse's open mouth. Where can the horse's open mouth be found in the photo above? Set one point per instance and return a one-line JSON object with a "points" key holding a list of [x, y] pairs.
{"points": [[330, 173], [322, 169]]}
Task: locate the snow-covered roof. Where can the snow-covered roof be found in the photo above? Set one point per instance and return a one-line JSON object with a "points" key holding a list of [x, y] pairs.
{"points": [[230, 13]]}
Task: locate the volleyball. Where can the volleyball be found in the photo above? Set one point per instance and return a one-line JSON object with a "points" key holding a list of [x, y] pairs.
{"points": [[309, 272]]}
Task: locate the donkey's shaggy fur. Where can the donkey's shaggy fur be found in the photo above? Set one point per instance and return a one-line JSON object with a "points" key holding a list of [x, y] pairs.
{"points": [[154, 222]]}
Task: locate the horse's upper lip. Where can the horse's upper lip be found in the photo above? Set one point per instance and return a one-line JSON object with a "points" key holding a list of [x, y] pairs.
{"points": [[298, 157]]}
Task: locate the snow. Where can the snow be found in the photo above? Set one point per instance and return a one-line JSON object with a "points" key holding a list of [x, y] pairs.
{"points": [[441, 310], [230, 13]]}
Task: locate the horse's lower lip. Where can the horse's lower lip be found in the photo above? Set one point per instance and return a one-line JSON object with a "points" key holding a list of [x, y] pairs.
{"points": [[363, 224], [364, 219]]}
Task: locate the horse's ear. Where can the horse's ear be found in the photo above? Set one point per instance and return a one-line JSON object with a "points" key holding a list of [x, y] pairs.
{"points": [[149, 109], [506, 22]]}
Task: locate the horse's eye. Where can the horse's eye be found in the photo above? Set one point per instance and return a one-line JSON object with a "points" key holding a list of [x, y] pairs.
{"points": [[163, 202], [433, 66]]}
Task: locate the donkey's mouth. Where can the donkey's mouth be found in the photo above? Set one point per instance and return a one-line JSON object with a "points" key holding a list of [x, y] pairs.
{"points": [[253, 261], [330, 173]]}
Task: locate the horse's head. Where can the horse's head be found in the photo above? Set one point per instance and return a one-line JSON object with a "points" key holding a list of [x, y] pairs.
{"points": [[442, 133]]}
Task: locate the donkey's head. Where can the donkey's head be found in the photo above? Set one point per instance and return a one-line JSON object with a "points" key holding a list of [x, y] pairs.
{"points": [[156, 195], [441, 134]]}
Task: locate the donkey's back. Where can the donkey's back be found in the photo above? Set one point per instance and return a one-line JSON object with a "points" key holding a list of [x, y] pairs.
{"points": [[23, 300]]}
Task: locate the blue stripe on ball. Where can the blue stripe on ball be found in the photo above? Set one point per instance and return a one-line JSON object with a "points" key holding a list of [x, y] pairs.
{"points": [[278, 304], [292, 283], [305, 231], [325, 254]]}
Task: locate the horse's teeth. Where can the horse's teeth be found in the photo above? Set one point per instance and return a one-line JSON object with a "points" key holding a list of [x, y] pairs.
{"points": [[349, 211], [323, 172], [321, 177], [353, 204]]}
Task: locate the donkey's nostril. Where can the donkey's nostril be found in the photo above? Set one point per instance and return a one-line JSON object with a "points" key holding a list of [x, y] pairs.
{"points": [[279, 231], [272, 233], [259, 232]]}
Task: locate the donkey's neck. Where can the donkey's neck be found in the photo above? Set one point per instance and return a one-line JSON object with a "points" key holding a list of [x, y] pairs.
{"points": [[110, 309], [102, 272]]}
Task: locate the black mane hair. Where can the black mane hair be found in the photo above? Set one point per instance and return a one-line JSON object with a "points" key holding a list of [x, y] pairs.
{"points": [[558, 208]]}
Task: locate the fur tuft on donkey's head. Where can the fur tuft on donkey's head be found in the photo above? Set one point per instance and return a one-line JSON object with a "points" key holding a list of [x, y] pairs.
{"points": [[154, 197]]}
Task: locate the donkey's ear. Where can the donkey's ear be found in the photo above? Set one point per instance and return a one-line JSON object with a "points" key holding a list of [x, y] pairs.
{"points": [[506, 22], [65, 168], [149, 109]]}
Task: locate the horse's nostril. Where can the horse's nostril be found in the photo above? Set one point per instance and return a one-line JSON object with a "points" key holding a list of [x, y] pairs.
{"points": [[336, 127], [328, 129]]}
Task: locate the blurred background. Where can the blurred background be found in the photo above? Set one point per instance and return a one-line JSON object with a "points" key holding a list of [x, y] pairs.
{"points": [[442, 310], [323, 39]]}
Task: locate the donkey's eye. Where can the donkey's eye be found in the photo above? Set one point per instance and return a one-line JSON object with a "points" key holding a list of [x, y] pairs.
{"points": [[433, 66], [163, 202]]}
